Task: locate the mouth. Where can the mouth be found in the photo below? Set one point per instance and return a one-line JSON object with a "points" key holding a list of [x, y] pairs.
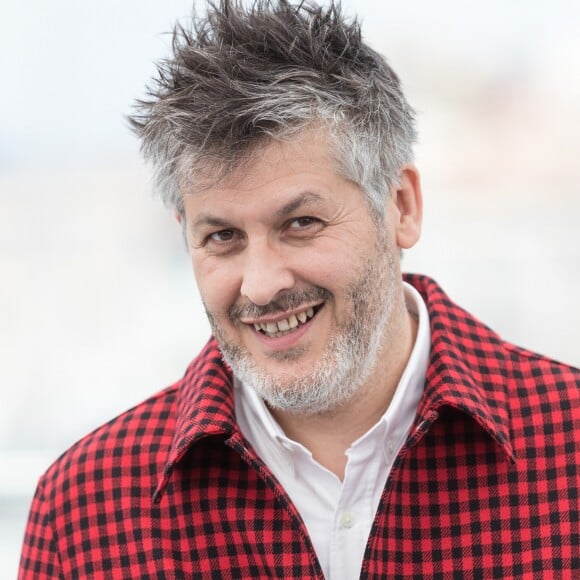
{"points": [[287, 325]]}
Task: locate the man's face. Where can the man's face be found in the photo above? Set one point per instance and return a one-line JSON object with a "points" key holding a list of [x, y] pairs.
{"points": [[298, 281]]}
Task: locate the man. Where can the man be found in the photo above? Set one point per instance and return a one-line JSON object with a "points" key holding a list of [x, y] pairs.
{"points": [[344, 421]]}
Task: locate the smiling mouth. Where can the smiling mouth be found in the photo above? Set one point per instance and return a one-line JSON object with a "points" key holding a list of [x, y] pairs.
{"points": [[287, 325]]}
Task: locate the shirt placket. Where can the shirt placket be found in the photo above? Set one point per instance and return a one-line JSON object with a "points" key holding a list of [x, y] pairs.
{"points": [[354, 511]]}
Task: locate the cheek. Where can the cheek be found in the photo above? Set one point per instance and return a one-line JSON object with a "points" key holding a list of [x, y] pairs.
{"points": [[332, 270], [217, 286]]}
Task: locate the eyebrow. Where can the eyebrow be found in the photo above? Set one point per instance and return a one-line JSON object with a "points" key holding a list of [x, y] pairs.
{"points": [[308, 199], [205, 219]]}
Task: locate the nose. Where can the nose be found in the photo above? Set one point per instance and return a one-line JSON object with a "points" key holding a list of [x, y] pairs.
{"points": [[265, 273]]}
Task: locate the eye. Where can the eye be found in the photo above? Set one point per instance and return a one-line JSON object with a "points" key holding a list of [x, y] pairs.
{"points": [[303, 223], [222, 241], [222, 236]]}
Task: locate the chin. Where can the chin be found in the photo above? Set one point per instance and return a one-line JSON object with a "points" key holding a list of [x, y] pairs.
{"points": [[329, 383]]}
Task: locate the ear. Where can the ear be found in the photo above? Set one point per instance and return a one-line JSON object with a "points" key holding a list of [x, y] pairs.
{"points": [[408, 201], [180, 217]]}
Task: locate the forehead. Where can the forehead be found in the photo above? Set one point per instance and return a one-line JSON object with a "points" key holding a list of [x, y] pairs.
{"points": [[276, 173], [306, 148]]}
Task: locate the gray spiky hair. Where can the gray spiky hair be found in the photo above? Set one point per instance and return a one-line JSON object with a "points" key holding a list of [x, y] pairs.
{"points": [[242, 73]]}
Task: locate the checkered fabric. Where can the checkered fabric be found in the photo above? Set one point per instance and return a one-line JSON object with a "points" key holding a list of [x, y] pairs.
{"points": [[486, 485]]}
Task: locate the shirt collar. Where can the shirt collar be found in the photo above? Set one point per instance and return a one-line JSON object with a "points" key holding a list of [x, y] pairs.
{"points": [[394, 424], [403, 407], [466, 371]]}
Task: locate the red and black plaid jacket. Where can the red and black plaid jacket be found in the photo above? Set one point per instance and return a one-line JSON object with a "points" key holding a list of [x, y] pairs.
{"points": [[486, 485]]}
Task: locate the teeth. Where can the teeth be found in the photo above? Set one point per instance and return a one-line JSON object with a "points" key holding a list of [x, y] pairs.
{"points": [[283, 327]]}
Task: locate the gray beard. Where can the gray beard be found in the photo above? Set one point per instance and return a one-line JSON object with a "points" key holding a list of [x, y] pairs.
{"points": [[350, 356]]}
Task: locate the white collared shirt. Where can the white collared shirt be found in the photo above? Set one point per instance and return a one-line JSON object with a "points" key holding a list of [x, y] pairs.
{"points": [[339, 515]]}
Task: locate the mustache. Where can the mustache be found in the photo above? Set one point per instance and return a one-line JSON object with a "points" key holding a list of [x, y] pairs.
{"points": [[288, 300]]}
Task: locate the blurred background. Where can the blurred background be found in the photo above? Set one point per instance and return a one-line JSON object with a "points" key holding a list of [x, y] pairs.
{"points": [[98, 308]]}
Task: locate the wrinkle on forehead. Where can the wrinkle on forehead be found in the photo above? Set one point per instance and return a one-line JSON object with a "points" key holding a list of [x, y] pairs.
{"points": [[220, 171]]}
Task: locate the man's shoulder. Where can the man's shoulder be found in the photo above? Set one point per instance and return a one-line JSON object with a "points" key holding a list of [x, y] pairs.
{"points": [[134, 442], [454, 325], [466, 351], [531, 367]]}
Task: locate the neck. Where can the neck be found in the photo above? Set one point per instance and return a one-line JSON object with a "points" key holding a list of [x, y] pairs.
{"points": [[329, 435]]}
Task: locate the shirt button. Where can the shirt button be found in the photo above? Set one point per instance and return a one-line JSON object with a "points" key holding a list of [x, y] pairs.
{"points": [[347, 520], [390, 447]]}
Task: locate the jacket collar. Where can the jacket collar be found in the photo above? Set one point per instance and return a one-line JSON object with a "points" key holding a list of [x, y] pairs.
{"points": [[467, 366], [467, 371], [205, 407]]}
